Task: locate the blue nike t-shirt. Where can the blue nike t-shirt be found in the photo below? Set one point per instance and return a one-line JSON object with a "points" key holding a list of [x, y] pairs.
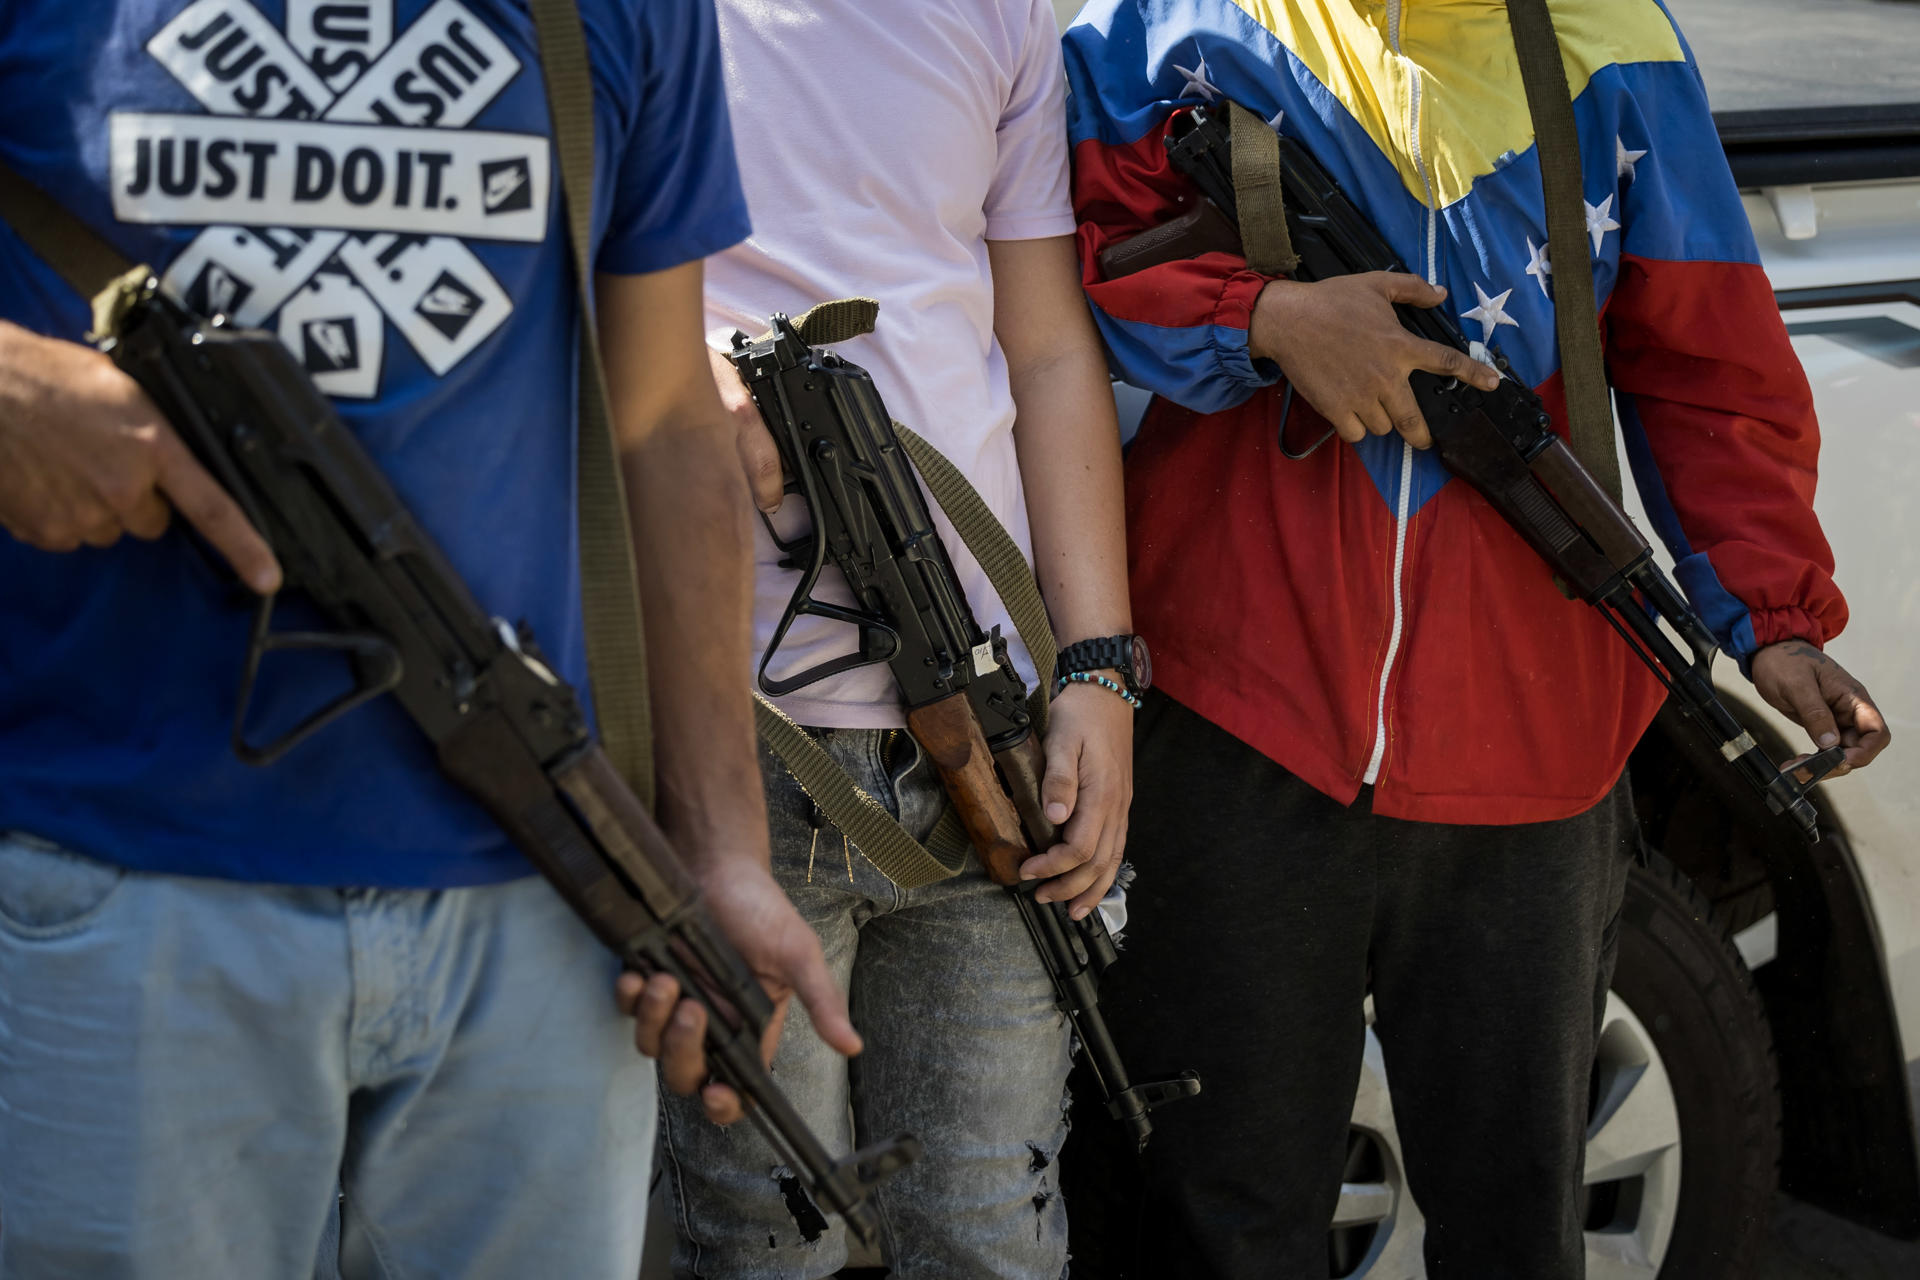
{"points": [[373, 181]]}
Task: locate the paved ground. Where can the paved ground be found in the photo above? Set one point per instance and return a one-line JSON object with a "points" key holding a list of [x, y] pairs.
{"points": [[1811, 1245]]}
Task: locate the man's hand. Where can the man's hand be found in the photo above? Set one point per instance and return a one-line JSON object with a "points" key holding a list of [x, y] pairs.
{"points": [[754, 913], [86, 458], [1340, 344], [1816, 693], [1088, 786], [759, 457]]}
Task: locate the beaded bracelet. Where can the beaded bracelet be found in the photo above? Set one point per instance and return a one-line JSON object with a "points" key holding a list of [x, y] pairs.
{"points": [[1088, 677]]}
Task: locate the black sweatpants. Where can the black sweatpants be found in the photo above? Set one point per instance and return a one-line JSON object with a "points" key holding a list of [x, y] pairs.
{"points": [[1261, 909]]}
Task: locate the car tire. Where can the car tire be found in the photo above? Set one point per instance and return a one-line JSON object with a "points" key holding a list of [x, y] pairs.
{"points": [[1681, 975]]}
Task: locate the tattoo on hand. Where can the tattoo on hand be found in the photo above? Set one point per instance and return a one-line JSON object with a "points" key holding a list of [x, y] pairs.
{"points": [[1801, 649]]}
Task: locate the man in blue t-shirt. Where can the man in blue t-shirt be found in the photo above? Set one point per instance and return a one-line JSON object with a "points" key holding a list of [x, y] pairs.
{"points": [[225, 991]]}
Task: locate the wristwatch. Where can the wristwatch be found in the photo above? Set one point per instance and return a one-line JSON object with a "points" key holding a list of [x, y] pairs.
{"points": [[1126, 654]]}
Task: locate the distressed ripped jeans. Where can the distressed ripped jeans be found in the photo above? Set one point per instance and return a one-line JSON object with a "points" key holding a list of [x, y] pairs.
{"points": [[964, 1048]]}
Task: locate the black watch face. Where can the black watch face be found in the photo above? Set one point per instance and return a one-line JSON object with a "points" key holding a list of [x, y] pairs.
{"points": [[1142, 664]]}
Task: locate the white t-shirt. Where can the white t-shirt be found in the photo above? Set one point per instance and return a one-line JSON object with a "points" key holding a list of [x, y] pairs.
{"points": [[881, 147]]}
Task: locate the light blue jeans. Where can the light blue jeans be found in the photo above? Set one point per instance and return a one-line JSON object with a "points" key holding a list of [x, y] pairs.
{"points": [[964, 1048], [189, 1069]]}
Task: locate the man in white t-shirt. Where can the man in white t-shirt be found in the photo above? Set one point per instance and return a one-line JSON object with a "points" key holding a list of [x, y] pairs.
{"points": [[917, 155]]}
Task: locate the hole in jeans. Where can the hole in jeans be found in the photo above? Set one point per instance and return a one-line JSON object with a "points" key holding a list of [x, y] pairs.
{"points": [[806, 1215]]}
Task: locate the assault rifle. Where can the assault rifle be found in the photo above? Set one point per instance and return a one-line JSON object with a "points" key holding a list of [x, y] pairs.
{"points": [[1501, 442], [504, 727], [966, 705]]}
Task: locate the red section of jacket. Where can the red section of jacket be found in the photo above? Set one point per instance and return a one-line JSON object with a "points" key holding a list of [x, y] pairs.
{"points": [[1266, 585]]}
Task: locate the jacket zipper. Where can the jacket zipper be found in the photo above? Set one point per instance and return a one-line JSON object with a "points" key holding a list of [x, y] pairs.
{"points": [[1404, 500]]}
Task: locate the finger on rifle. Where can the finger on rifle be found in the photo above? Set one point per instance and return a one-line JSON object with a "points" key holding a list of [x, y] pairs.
{"points": [[1866, 733], [1450, 362], [1081, 879], [1064, 857], [722, 1105], [683, 1053], [770, 1034], [1799, 698], [1376, 419], [1348, 428], [651, 1009], [1061, 787], [626, 991], [1407, 418], [147, 517], [206, 506], [103, 532], [1404, 286], [1067, 866], [1108, 850], [1084, 903], [825, 1003], [760, 459]]}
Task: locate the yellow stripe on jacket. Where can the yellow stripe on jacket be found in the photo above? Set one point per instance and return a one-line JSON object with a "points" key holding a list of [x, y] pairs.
{"points": [[1472, 106]]}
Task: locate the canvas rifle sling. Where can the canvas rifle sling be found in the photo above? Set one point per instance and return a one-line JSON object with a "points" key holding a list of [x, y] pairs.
{"points": [[1583, 370], [609, 583], [862, 819], [610, 593], [89, 265], [1257, 194]]}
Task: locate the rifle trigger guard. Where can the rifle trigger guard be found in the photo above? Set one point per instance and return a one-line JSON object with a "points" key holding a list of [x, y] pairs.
{"points": [[377, 670], [1280, 433]]}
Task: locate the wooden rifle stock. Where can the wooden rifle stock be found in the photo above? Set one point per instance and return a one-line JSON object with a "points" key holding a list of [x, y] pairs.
{"points": [[1023, 765], [1582, 498], [948, 730]]}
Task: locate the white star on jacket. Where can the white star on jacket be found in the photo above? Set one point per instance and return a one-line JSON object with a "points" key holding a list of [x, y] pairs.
{"points": [[1623, 159], [1600, 221], [1197, 82], [1538, 266], [1491, 313], [1274, 123]]}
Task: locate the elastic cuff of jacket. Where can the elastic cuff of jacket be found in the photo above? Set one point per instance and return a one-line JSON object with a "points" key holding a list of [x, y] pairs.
{"points": [[1771, 626], [1232, 322]]}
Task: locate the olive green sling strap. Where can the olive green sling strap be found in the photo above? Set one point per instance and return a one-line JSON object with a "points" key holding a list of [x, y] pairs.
{"points": [[1263, 228], [1257, 194], [1583, 371], [609, 585], [862, 819]]}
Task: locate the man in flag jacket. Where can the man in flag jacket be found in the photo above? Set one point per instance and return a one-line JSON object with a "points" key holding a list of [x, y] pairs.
{"points": [[1385, 753]]}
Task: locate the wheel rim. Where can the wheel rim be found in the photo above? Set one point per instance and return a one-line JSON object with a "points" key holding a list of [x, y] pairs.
{"points": [[1632, 1177]]}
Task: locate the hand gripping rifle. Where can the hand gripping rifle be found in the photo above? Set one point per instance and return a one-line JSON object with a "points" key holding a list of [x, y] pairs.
{"points": [[504, 727], [966, 705], [1501, 442]]}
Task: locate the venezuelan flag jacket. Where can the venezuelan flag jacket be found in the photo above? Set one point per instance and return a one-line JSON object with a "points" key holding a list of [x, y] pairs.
{"points": [[1359, 617]]}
